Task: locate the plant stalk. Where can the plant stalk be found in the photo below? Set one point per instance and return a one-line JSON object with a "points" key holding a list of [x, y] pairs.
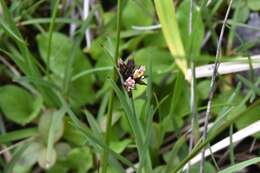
{"points": [[111, 99]]}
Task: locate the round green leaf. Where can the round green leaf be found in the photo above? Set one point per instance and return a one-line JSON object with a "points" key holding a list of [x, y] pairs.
{"points": [[80, 159], [138, 13], [80, 91], [63, 150], [18, 105], [28, 158]]}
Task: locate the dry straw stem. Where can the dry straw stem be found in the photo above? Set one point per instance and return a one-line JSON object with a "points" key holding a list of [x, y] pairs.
{"points": [[213, 84], [237, 137], [237, 65], [86, 7], [193, 105]]}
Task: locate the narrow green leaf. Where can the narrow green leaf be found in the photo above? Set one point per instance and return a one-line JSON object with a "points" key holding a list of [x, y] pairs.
{"points": [[17, 135], [51, 29], [16, 156], [48, 20], [174, 153], [239, 166], [93, 124], [98, 145], [128, 108], [10, 32], [57, 119], [166, 12], [87, 72]]}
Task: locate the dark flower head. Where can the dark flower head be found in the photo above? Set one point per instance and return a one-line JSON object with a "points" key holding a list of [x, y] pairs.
{"points": [[131, 74]]}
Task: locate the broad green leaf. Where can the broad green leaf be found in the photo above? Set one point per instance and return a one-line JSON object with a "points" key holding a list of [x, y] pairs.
{"points": [[45, 125], [239, 166], [103, 120], [80, 159], [175, 107], [104, 61], [159, 169], [138, 12], [58, 168], [60, 51], [125, 124], [102, 50], [166, 13], [56, 126], [155, 141], [99, 44], [133, 43], [18, 105], [139, 91], [15, 157], [248, 118], [203, 88], [43, 161], [161, 61], [62, 150], [28, 158], [209, 168], [72, 134], [172, 157], [243, 11], [223, 98], [119, 146], [155, 39], [80, 91], [254, 4]]}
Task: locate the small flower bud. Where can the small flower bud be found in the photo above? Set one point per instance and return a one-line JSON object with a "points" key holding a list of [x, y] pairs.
{"points": [[129, 84], [139, 73]]}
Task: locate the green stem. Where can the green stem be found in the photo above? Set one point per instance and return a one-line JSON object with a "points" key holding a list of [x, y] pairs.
{"points": [[51, 28], [111, 99]]}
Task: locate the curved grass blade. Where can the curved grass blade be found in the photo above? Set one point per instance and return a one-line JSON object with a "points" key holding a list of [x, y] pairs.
{"points": [[239, 166], [93, 70]]}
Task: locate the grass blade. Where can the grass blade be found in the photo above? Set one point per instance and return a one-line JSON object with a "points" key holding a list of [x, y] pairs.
{"points": [[167, 16], [17, 135], [239, 166], [57, 117], [51, 28]]}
